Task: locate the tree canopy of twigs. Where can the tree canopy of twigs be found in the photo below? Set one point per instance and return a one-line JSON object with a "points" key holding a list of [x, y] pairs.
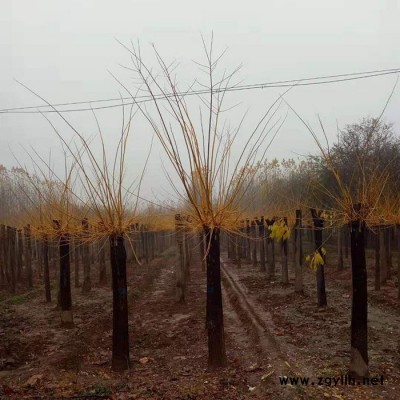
{"points": [[199, 142]]}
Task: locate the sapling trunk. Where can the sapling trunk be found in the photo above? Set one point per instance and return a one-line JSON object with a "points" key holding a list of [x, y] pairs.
{"points": [[383, 263], [77, 254], [340, 249], [180, 264], [214, 314], [86, 258], [271, 266], [20, 254], [248, 242], [398, 262], [359, 308], [318, 226], [298, 269], [102, 263], [202, 251], [28, 255], [254, 243], [284, 259], [11, 232], [377, 260], [120, 336], [65, 282], [46, 271], [388, 252], [3, 254], [261, 233], [238, 251], [186, 241]]}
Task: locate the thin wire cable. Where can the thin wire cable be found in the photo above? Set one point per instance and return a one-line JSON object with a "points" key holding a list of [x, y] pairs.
{"points": [[143, 99]]}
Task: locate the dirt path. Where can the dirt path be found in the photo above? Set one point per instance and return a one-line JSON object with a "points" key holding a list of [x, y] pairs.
{"points": [[275, 357]]}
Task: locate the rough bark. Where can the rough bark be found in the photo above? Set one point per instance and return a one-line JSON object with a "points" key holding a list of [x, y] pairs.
{"points": [[120, 336], [65, 282], [359, 308], [214, 314]]}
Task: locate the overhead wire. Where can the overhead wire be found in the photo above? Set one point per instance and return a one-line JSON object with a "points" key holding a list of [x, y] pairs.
{"points": [[311, 81]]}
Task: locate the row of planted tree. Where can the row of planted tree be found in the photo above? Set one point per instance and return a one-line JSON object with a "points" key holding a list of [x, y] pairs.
{"points": [[255, 244], [265, 243], [22, 255], [27, 259], [221, 178]]}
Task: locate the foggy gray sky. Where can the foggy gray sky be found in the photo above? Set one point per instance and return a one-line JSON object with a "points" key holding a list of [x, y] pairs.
{"points": [[64, 49]]}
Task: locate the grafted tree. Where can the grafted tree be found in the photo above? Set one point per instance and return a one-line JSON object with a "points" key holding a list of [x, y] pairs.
{"points": [[200, 146], [361, 197]]}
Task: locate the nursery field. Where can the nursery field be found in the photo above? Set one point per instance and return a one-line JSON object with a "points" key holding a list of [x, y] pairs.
{"points": [[245, 277], [271, 332]]}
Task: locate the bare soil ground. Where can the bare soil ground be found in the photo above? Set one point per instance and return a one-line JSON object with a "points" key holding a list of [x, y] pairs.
{"points": [[316, 342], [270, 332]]}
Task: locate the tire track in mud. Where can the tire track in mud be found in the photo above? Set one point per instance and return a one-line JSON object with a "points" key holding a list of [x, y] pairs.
{"points": [[258, 325]]}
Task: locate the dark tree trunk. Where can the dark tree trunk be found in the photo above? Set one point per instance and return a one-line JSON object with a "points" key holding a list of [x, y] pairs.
{"points": [[377, 260], [3, 254], [187, 253], [383, 255], [359, 308], [202, 251], [120, 337], [238, 251], [248, 242], [388, 252], [271, 265], [398, 261], [65, 282], [340, 249], [86, 258], [28, 255], [254, 243], [102, 263], [298, 285], [46, 274], [318, 226], [180, 275], [214, 314], [11, 257], [261, 233], [77, 254], [20, 254]]}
